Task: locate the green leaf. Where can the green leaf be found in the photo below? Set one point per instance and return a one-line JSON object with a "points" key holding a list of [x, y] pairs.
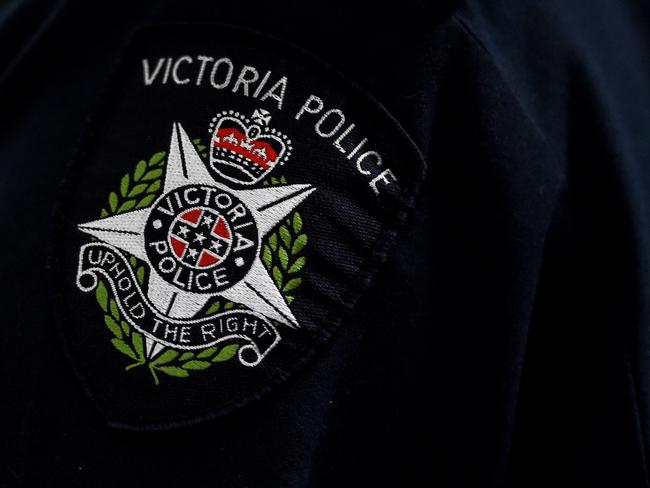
{"points": [[174, 371], [137, 189], [299, 244], [284, 257], [139, 170], [274, 180], [277, 274], [206, 353], [102, 296], [283, 180], [154, 187], [297, 223], [196, 364], [124, 185], [138, 344], [165, 357], [125, 327], [123, 347], [140, 274], [128, 205], [226, 353], [289, 299], [273, 241], [229, 305], [214, 308], [267, 256], [285, 235], [152, 175], [113, 326], [133, 261], [115, 312], [297, 265], [292, 284], [112, 201], [103, 213], [146, 201], [156, 158], [186, 355]]}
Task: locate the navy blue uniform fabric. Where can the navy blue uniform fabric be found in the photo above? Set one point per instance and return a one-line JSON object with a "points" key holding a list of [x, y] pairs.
{"points": [[504, 343]]}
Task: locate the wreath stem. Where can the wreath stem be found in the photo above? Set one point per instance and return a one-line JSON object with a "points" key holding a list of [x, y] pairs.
{"points": [[155, 376], [134, 365]]}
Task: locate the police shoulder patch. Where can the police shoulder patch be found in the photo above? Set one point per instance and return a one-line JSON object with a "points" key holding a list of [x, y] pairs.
{"points": [[230, 203]]}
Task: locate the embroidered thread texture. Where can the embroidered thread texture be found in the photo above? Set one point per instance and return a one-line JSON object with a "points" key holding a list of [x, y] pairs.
{"points": [[282, 253]]}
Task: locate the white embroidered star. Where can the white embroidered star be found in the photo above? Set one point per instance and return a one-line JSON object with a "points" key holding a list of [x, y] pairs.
{"points": [[268, 206], [199, 237], [207, 220], [192, 252], [216, 245], [183, 231]]}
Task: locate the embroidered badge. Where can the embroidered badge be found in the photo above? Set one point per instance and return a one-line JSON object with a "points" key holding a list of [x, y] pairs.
{"points": [[195, 243], [232, 204]]}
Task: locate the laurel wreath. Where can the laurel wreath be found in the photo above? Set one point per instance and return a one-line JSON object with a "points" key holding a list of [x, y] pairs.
{"points": [[282, 255]]}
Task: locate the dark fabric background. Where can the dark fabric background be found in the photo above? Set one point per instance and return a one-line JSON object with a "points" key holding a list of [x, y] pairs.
{"points": [[505, 343]]}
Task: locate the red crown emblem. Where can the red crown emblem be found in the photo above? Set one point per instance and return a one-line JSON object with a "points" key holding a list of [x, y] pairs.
{"points": [[245, 150]]}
